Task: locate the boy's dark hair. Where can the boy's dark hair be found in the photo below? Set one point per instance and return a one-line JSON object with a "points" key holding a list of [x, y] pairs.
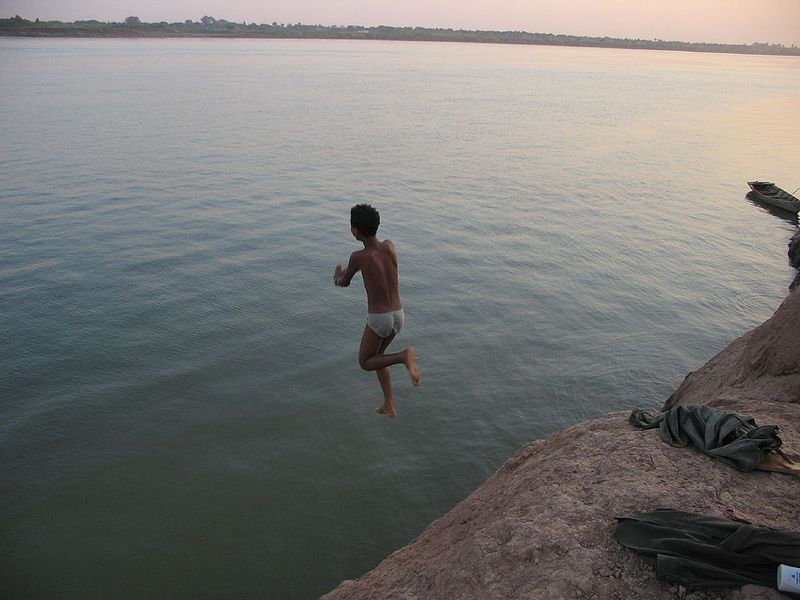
{"points": [[365, 218]]}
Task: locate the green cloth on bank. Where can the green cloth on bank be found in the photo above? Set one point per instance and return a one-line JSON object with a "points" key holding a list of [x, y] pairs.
{"points": [[701, 551], [735, 440]]}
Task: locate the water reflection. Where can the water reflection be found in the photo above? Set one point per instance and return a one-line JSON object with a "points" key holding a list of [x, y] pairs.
{"points": [[786, 215]]}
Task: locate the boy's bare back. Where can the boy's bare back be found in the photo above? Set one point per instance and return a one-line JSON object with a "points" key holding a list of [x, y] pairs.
{"points": [[378, 266]]}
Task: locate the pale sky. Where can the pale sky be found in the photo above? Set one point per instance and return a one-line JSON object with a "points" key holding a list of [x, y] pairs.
{"points": [[725, 21]]}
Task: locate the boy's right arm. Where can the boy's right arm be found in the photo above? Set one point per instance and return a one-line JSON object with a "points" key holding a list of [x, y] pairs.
{"points": [[342, 276]]}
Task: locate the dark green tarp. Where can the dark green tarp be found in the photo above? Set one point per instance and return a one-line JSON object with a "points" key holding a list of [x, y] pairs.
{"points": [[701, 551], [735, 440]]}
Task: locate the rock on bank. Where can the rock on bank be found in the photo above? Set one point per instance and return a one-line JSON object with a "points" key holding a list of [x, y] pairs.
{"points": [[541, 526]]}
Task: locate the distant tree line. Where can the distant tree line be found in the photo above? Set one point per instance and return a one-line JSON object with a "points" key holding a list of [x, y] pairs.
{"points": [[211, 27]]}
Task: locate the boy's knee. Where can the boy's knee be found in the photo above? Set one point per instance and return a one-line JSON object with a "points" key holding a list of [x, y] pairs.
{"points": [[362, 362]]}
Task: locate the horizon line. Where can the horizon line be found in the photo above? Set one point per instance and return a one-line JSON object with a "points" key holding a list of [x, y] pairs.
{"points": [[351, 27]]}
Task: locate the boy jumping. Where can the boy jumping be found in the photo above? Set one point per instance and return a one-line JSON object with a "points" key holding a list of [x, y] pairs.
{"points": [[378, 265]]}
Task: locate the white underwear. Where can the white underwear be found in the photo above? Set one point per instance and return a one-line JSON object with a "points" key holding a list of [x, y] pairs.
{"points": [[386, 324]]}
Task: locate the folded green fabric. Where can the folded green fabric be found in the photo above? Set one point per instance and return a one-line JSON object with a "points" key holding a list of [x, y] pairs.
{"points": [[701, 551], [736, 440]]}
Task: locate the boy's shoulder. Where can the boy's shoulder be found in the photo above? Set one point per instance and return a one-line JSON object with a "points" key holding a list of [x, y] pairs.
{"points": [[359, 257], [375, 254], [388, 245], [384, 245]]}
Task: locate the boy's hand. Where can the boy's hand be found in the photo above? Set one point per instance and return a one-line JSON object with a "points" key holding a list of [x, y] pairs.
{"points": [[342, 275]]}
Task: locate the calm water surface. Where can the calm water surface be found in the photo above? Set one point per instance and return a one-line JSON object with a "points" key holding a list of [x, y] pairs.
{"points": [[181, 410]]}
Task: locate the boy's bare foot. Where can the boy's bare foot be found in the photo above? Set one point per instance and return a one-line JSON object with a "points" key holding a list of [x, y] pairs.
{"points": [[411, 365], [389, 412]]}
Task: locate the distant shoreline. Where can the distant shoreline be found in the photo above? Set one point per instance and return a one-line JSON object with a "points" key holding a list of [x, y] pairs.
{"points": [[208, 27]]}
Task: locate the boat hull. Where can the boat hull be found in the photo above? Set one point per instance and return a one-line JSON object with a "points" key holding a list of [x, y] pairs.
{"points": [[775, 196]]}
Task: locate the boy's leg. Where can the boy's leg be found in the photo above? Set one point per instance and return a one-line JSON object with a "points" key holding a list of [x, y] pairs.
{"points": [[371, 351], [371, 355], [385, 379]]}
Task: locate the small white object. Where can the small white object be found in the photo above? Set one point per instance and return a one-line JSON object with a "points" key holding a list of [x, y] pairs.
{"points": [[788, 579]]}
